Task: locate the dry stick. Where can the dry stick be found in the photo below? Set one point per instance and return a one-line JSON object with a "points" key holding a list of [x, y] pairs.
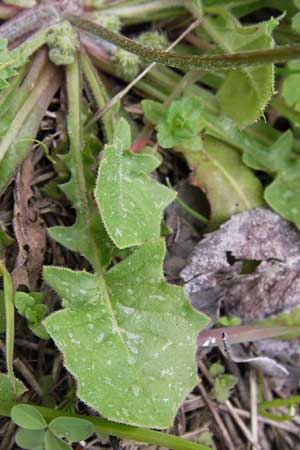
{"points": [[217, 417], [253, 406], [229, 406], [286, 426], [124, 91]]}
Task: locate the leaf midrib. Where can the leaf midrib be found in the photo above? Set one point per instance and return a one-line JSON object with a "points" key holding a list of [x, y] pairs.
{"points": [[229, 178]]}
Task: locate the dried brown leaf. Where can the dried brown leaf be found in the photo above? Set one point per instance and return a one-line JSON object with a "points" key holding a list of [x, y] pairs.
{"points": [[29, 230]]}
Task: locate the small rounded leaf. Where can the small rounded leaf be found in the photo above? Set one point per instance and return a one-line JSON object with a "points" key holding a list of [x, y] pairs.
{"points": [[54, 443], [72, 429], [26, 416], [30, 439]]}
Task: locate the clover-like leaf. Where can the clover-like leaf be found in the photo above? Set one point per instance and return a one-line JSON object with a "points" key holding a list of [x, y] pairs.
{"points": [[54, 443], [30, 439], [131, 203], [28, 417], [128, 338], [71, 428], [246, 91]]}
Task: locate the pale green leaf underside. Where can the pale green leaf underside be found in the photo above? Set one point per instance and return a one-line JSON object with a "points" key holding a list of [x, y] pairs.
{"points": [[130, 201], [128, 340], [229, 185]]}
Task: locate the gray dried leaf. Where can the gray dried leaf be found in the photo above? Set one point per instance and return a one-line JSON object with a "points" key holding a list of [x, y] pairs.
{"points": [[259, 235], [214, 271]]}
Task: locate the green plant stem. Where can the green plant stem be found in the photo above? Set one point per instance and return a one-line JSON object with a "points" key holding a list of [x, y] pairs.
{"points": [[99, 94], [10, 322], [211, 62], [75, 129], [184, 206], [120, 430], [75, 132]]}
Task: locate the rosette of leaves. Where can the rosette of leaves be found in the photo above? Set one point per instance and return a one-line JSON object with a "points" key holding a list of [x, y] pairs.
{"points": [[121, 330]]}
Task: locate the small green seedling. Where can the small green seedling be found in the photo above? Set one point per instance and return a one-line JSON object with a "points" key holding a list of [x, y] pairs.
{"points": [[223, 382]]}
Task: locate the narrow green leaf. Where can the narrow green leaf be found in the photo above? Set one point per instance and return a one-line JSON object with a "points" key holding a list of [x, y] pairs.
{"points": [[13, 147], [229, 185], [30, 439], [272, 159], [2, 313], [291, 402], [9, 323], [131, 203], [283, 194], [129, 338], [7, 394], [6, 65], [54, 443], [246, 91], [73, 430], [26, 416]]}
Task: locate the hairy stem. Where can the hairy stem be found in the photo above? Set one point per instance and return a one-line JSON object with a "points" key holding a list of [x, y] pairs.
{"points": [[211, 62]]}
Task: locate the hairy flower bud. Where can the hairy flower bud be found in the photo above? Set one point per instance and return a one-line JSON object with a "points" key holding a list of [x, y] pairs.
{"points": [[62, 42], [128, 64], [109, 21]]}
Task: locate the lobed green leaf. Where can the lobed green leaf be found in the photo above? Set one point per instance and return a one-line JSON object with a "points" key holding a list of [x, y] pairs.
{"points": [[131, 203], [129, 338], [246, 91]]}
